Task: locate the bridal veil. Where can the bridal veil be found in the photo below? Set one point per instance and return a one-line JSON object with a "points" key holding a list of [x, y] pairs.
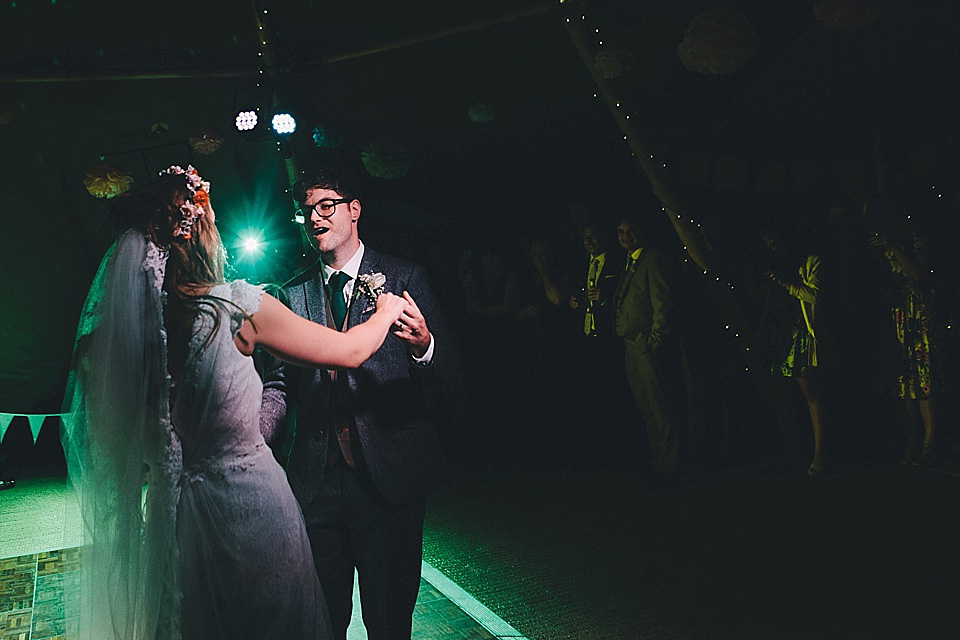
{"points": [[119, 442]]}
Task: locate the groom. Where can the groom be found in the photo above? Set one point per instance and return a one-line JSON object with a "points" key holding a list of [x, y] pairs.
{"points": [[364, 453]]}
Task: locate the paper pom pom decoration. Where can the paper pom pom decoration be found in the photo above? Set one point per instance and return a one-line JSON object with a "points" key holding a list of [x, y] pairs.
{"points": [[612, 64], [325, 137], [6, 116], [718, 42], [205, 141], [385, 159], [845, 14], [104, 181], [480, 112]]}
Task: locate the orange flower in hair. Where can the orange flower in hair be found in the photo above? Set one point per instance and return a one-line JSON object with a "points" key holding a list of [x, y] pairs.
{"points": [[194, 209]]}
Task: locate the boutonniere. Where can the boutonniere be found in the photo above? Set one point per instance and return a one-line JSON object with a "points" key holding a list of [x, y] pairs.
{"points": [[371, 285]]}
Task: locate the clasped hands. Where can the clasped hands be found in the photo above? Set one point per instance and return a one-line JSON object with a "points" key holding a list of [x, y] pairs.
{"points": [[593, 294], [410, 325]]}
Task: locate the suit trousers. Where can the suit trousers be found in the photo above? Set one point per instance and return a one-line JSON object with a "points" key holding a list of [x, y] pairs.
{"points": [[351, 527], [656, 381]]}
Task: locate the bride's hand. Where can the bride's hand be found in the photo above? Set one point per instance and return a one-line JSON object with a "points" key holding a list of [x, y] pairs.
{"points": [[391, 306]]}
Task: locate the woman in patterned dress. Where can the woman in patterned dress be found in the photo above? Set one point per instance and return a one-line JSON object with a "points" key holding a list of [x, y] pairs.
{"points": [[917, 379]]}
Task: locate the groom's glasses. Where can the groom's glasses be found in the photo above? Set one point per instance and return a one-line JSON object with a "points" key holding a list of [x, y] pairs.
{"points": [[323, 208]]}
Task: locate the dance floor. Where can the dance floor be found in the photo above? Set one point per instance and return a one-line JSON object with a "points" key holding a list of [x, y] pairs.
{"points": [[39, 558], [865, 551], [862, 552]]}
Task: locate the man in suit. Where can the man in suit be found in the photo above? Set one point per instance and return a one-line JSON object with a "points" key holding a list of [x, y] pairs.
{"points": [[646, 319], [600, 384], [602, 276], [364, 452]]}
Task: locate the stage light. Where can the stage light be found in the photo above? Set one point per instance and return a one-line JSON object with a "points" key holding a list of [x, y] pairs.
{"points": [[251, 244], [284, 124], [246, 120]]}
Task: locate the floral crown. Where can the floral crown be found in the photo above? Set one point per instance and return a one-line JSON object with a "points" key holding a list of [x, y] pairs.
{"points": [[200, 196]]}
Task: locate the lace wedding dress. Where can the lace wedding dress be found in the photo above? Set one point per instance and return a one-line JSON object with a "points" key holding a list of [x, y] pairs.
{"points": [[246, 568], [190, 527]]}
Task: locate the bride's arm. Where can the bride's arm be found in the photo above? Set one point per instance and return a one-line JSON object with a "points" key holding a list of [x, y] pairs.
{"points": [[299, 341]]}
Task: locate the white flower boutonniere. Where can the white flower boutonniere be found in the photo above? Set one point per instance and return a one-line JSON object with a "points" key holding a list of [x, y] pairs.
{"points": [[371, 285]]}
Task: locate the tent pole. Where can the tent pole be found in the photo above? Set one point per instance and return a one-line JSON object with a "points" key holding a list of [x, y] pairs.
{"points": [[676, 211]]}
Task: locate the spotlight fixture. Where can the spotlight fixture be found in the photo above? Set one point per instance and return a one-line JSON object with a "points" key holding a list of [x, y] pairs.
{"points": [[246, 120], [283, 124]]}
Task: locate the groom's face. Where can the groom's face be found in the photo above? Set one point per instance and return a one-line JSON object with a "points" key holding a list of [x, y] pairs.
{"points": [[333, 232]]}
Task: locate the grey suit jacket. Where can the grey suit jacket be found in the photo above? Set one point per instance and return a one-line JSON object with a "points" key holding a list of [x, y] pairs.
{"points": [[646, 305], [392, 402]]}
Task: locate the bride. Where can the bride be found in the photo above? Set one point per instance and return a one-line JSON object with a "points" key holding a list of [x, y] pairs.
{"points": [[190, 528]]}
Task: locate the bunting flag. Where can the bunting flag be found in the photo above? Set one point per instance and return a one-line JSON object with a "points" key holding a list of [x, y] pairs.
{"points": [[36, 421], [5, 419]]}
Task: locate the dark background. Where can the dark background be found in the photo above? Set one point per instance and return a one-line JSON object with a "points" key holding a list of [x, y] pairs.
{"points": [[814, 108]]}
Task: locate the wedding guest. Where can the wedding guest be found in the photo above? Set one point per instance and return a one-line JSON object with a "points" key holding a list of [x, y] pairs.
{"points": [[602, 275], [190, 527], [790, 333], [600, 387], [365, 451], [647, 320], [914, 325]]}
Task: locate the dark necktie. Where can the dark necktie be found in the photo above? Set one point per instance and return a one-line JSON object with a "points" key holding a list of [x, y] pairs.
{"points": [[338, 306], [338, 310], [589, 322]]}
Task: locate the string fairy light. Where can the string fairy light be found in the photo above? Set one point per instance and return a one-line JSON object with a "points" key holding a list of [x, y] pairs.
{"points": [[621, 109]]}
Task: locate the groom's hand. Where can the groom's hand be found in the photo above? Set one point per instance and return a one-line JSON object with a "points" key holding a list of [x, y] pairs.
{"points": [[412, 328]]}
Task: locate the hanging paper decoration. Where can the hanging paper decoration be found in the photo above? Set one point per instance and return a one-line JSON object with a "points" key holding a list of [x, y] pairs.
{"points": [[386, 159], [610, 63], [718, 41], [36, 423], [205, 141], [5, 420], [105, 181], [6, 115], [480, 113], [326, 137], [845, 14]]}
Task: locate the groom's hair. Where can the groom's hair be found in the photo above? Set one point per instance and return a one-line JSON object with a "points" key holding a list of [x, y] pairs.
{"points": [[324, 178]]}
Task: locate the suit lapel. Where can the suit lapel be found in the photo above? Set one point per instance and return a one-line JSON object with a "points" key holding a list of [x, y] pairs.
{"points": [[358, 301], [625, 280], [316, 300]]}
